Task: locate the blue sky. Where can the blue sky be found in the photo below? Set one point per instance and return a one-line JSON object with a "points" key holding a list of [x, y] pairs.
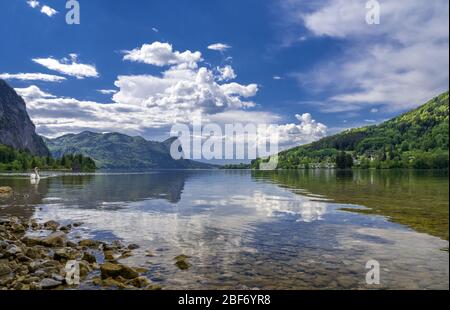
{"points": [[312, 67]]}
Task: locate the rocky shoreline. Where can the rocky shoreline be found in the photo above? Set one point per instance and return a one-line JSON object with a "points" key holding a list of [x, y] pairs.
{"points": [[29, 262]]}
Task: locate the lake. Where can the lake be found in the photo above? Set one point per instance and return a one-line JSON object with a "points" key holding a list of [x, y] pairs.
{"points": [[312, 229]]}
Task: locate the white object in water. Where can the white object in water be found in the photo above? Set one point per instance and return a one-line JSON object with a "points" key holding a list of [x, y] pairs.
{"points": [[35, 176]]}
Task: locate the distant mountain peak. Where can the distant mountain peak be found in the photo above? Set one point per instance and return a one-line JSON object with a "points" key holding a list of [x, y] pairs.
{"points": [[119, 151]]}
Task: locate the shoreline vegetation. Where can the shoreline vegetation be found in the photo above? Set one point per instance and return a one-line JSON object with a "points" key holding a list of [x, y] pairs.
{"points": [[21, 161]]}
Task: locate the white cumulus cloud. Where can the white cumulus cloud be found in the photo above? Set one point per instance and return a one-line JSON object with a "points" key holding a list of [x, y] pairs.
{"points": [[32, 93], [226, 73], [162, 54], [145, 104], [396, 65], [220, 47], [182, 88], [32, 77], [33, 3], [68, 67], [55, 116], [48, 11], [107, 91], [240, 90], [306, 131]]}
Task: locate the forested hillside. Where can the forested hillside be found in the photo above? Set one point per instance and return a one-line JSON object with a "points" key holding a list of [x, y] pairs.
{"points": [[119, 151], [416, 139], [16, 160]]}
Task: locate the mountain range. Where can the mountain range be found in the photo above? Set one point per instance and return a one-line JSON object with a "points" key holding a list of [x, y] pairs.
{"points": [[119, 151], [416, 139], [109, 151]]}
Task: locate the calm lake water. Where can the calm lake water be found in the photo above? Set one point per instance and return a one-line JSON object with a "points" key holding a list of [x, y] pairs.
{"points": [[266, 230]]}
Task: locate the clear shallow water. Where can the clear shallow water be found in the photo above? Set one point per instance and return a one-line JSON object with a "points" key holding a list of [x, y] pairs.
{"points": [[267, 230]]}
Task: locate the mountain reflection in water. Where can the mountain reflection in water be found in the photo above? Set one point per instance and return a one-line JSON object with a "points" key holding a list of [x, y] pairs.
{"points": [[271, 230]]}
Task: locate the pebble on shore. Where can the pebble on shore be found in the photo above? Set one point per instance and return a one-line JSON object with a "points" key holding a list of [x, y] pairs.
{"points": [[5, 191], [181, 262]]}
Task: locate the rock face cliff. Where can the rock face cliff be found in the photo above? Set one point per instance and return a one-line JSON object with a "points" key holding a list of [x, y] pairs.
{"points": [[16, 128]]}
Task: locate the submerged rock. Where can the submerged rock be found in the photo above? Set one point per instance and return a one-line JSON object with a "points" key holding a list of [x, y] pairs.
{"points": [[48, 283], [113, 282], [139, 282], [31, 241], [182, 265], [109, 255], [141, 269], [85, 268], [89, 243], [126, 254], [128, 272], [51, 225], [89, 257], [116, 244], [64, 254], [181, 262], [150, 254], [110, 270], [345, 281], [133, 246], [153, 287], [65, 229], [56, 239], [96, 281], [5, 191], [182, 257], [71, 244], [117, 270]]}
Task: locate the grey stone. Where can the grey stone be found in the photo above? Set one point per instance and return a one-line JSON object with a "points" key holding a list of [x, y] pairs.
{"points": [[56, 239], [133, 246], [58, 277], [4, 270], [48, 283]]}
